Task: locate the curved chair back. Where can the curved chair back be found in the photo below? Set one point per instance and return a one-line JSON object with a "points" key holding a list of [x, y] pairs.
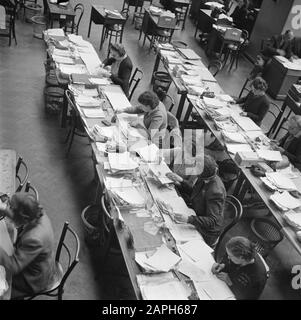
{"points": [[79, 9], [22, 173], [232, 214], [134, 81], [274, 113], [215, 66], [32, 190], [125, 13]]}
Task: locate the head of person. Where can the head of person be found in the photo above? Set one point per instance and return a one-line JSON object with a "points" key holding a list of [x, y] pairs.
{"points": [[259, 60], [294, 125], [148, 101], [210, 169], [240, 250], [117, 51], [24, 209], [259, 86], [288, 35]]}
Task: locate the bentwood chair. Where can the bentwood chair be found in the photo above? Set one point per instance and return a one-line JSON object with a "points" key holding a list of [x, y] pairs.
{"points": [[232, 214], [22, 174], [32, 190], [76, 126], [66, 258], [134, 81], [79, 11], [11, 12]]}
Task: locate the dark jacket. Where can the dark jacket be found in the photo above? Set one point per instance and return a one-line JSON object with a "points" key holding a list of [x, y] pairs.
{"points": [[247, 281], [124, 73], [279, 42], [32, 264], [239, 16], [256, 107], [293, 150], [208, 202]]}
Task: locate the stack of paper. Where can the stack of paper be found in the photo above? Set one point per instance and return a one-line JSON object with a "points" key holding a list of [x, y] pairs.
{"points": [[159, 172], [234, 137], [55, 32], [129, 196], [94, 113], [269, 155], [226, 125], [69, 69], [234, 148], [280, 181], [78, 40], [192, 80], [285, 201], [189, 54], [196, 249], [214, 102], [63, 60], [62, 53], [100, 81], [113, 182], [215, 4], [149, 153], [84, 101], [293, 218], [289, 172], [184, 232], [122, 161], [246, 123], [117, 98]]}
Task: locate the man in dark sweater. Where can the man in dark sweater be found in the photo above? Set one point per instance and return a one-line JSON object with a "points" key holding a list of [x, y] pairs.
{"points": [[255, 104], [242, 269], [207, 197]]}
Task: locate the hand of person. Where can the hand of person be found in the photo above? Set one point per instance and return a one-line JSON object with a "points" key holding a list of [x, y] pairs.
{"points": [[281, 52], [278, 148], [217, 267], [243, 114], [174, 177], [224, 277], [180, 217]]}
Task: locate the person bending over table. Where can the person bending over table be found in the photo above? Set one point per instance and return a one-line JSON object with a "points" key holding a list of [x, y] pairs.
{"points": [[121, 66], [255, 104], [290, 144], [242, 269], [32, 264], [155, 115], [207, 197]]}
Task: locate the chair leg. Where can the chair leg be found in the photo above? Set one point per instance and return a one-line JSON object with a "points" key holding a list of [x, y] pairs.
{"points": [[70, 141], [60, 294]]}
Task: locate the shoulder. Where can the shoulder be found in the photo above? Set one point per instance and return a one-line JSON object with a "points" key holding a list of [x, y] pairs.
{"points": [[127, 62], [216, 188]]}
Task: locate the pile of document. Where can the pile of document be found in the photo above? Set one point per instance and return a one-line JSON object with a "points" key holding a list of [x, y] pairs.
{"points": [[246, 123], [122, 162], [159, 172], [285, 201], [117, 98], [269, 155], [226, 125], [162, 260], [280, 181], [149, 153], [55, 32], [163, 286], [233, 137], [189, 54], [72, 68], [293, 218], [93, 113], [128, 196], [62, 60], [86, 101]]}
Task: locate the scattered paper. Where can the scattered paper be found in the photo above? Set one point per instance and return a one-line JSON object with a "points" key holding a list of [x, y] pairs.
{"points": [[285, 201], [129, 196], [93, 113], [239, 147], [122, 161], [196, 249], [269, 155], [172, 290], [191, 270], [117, 98], [280, 181]]}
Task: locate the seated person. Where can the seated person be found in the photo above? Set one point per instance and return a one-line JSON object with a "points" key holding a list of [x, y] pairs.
{"points": [[155, 115], [290, 144], [121, 66], [207, 196], [32, 263], [242, 269], [281, 45], [258, 69], [240, 13], [255, 104]]}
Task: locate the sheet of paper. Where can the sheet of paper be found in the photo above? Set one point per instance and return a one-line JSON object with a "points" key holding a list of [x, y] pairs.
{"points": [[200, 291], [117, 97], [285, 201], [280, 181], [130, 196], [172, 290], [196, 249], [122, 161], [191, 270], [113, 182], [156, 278], [163, 259], [85, 101], [91, 60], [149, 153], [214, 102], [56, 32], [100, 81], [5, 241], [69, 69], [184, 232], [238, 147], [293, 218], [246, 123], [235, 137], [63, 60], [93, 113], [189, 54], [269, 155], [216, 289]]}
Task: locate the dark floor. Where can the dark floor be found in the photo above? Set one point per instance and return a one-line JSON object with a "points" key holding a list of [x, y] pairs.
{"points": [[66, 185]]}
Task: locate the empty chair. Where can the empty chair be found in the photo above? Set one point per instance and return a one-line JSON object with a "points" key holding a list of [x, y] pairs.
{"points": [[22, 173], [10, 13], [31, 189], [232, 214], [66, 258], [266, 235], [79, 10], [76, 126], [215, 66], [134, 81]]}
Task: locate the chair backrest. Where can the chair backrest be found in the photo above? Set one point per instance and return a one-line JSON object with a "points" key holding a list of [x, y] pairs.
{"points": [[134, 81], [31, 189], [22, 173], [125, 13], [74, 112], [215, 66], [72, 254], [232, 214], [273, 111], [79, 9]]}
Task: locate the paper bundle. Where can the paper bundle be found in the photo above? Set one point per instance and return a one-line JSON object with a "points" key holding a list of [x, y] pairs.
{"points": [[280, 181], [285, 201], [293, 218], [122, 161], [85, 101]]}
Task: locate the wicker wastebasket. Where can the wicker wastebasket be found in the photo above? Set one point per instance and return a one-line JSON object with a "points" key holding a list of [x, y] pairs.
{"points": [[31, 9], [39, 25]]}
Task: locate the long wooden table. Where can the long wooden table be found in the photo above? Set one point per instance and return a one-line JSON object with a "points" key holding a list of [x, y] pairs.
{"points": [[8, 160]]}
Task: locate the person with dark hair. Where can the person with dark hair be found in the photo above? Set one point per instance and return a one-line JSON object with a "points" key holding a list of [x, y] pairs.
{"points": [[207, 197], [255, 104], [121, 66], [155, 115], [239, 15], [281, 45], [242, 269], [32, 264]]}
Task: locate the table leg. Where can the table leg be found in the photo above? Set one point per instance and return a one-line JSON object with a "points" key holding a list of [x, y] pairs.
{"points": [[156, 66], [90, 24], [181, 106], [102, 37]]}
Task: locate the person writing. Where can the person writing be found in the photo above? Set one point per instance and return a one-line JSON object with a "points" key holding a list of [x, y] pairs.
{"points": [[121, 66], [155, 115], [207, 198], [255, 104], [242, 269], [290, 144], [32, 264]]}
